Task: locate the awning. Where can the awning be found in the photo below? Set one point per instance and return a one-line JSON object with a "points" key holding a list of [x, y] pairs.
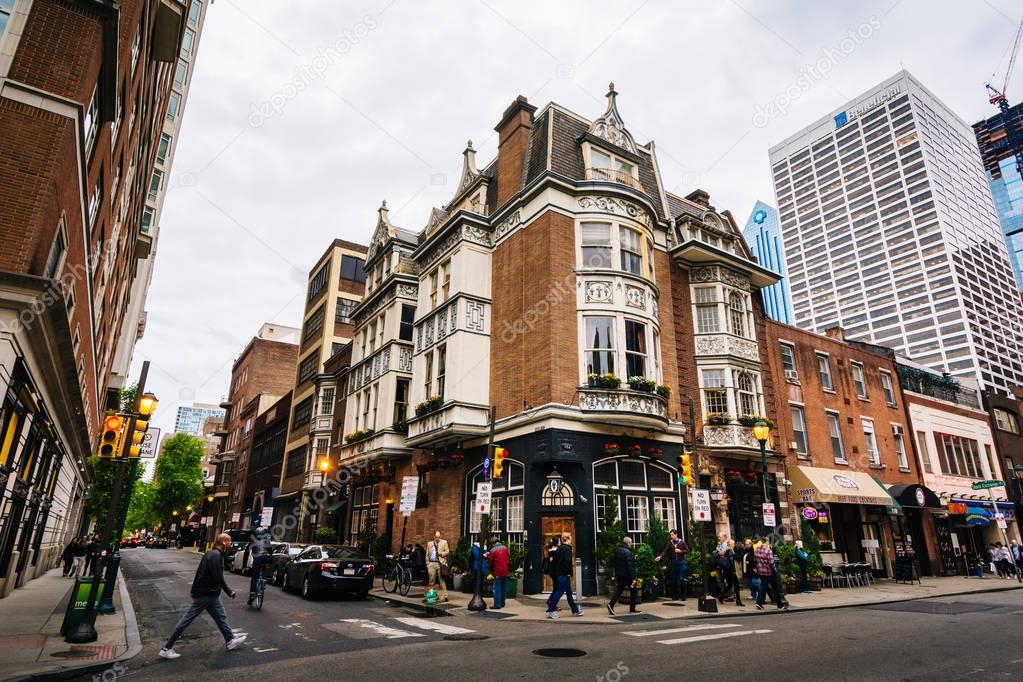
{"points": [[915, 496], [816, 484], [337, 505]]}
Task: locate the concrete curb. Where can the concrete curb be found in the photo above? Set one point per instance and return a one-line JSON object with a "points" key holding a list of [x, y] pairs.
{"points": [[132, 636], [430, 611]]}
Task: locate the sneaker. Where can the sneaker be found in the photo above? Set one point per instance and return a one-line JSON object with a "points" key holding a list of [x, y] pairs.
{"points": [[610, 609], [236, 642], [553, 615], [577, 613], [760, 607], [169, 654], [784, 607]]}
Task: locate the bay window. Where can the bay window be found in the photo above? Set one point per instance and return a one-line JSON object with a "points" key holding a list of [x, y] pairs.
{"points": [[631, 251], [737, 314], [635, 349], [715, 395], [599, 241], [596, 245], [707, 317], [600, 344]]}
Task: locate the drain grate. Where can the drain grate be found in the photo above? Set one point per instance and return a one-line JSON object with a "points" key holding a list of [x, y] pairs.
{"points": [[559, 653]]}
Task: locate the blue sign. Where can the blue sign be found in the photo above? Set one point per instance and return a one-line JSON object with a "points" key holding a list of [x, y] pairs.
{"points": [[486, 463], [841, 119], [759, 216]]}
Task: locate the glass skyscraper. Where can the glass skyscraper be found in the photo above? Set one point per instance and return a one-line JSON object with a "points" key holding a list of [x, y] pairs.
{"points": [[190, 419], [890, 231], [1005, 181], [763, 235]]}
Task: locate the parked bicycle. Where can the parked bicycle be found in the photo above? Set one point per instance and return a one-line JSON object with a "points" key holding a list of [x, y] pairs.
{"points": [[398, 575]]}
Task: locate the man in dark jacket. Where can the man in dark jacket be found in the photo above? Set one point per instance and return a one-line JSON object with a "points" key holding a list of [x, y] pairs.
{"points": [[206, 587], [675, 551], [68, 556], [625, 572], [561, 569]]}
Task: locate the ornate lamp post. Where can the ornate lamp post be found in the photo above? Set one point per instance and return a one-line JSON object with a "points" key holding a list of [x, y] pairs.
{"points": [[761, 431]]}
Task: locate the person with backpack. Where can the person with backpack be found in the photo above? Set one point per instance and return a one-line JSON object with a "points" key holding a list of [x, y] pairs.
{"points": [[749, 569], [763, 557], [498, 557], [726, 569]]}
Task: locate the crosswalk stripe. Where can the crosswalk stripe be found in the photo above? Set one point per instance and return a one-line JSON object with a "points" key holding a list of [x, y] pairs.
{"points": [[670, 631], [435, 626], [720, 635], [380, 629]]}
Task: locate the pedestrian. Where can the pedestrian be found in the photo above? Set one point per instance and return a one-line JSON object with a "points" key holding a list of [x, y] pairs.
{"points": [[803, 559], [498, 557], [68, 557], [1004, 561], [562, 565], [675, 551], [437, 567], [81, 551], [91, 551], [548, 570], [205, 592], [726, 568], [625, 574], [995, 558], [749, 569], [764, 560], [1017, 555], [476, 563], [259, 552]]}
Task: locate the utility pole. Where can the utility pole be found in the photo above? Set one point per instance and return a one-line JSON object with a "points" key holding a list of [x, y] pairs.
{"points": [[477, 603]]}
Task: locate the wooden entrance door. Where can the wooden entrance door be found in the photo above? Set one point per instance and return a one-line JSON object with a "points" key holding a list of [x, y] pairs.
{"points": [[556, 526]]}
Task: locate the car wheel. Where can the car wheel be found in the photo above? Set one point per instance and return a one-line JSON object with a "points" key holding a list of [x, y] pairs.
{"points": [[307, 590], [284, 582], [275, 578]]}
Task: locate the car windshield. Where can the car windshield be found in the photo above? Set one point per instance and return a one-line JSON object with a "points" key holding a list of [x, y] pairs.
{"points": [[239, 535], [337, 552]]}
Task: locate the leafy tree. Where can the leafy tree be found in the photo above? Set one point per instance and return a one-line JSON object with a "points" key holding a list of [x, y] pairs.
{"points": [[178, 478], [141, 512], [325, 536], [657, 536], [611, 533], [647, 569]]}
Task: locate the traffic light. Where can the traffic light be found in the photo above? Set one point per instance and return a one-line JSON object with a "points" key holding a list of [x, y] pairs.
{"points": [[137, 436], [685, 469], [499, 455], [110, 438]]}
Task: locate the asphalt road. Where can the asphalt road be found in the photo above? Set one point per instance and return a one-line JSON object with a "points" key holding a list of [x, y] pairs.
{"points": [[975, 637]]}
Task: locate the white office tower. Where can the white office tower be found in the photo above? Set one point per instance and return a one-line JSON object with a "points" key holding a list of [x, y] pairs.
{"points": [[890, 232]]}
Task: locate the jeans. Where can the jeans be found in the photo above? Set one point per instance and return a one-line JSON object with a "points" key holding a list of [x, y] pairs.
{"points": [[257, 567], [210, 605], [622, 585], [500, 587], [804, 585], [775, 582], [562, 587], [678, 580], [754, 587]]}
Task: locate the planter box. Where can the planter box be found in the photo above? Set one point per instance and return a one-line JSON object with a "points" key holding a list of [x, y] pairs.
{"points": [[512, 588]]}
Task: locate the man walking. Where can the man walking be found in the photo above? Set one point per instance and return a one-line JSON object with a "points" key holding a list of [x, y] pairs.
{"points": [[763, 558], [498, 556], [562, 566], [675, 551], [625, 573], [206, 587], [437, 553], [80, 552]]}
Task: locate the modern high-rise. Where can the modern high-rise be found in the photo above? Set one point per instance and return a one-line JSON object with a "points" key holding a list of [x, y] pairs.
{"points": [[191, 418], [763, 236], [1005, 180], [890, 232]]}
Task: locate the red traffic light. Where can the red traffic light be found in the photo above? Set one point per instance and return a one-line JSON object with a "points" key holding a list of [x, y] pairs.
{"points": [[113, 423]]}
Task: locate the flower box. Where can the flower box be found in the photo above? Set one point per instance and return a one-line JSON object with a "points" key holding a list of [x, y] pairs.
{"points": [[664, 391], [612, 449], [607, 380], [431, 404], [356, 436], [642, 384], [752, 419], [718, 419]]}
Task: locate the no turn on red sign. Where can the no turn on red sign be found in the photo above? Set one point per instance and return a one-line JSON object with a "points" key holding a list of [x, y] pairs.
{"points": [[701, 505], [483, 491]]}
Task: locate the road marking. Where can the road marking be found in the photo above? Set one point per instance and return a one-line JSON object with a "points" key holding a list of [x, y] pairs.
{"points": [[263, 651], [380, 629], [648, 633], [435, 626], [720, 635]]}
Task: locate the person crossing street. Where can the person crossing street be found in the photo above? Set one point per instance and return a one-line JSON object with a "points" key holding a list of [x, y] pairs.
{"points": [[625, 574]]}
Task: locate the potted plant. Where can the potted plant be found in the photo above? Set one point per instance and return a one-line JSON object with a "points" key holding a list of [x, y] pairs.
{"points": [[431, 404], [642, 384], [460, 565], [612, 449], [647, 572], [718, 419], [664, 391], [516, 558], [606, 380], [356, 436], [608, 539], [752, 419], [400, 426], [635, 450], [654, 451], [325, 536]]}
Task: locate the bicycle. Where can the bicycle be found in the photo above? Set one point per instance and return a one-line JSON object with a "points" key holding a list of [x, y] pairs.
{"points": [[257, 600], [398, 576]]}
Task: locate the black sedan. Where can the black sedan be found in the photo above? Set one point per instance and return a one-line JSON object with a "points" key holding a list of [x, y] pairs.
{"points": [[329, 568], [281, 553]]}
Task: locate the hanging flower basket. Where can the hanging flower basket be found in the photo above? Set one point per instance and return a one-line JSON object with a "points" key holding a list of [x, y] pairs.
{"points": [[612, 449], [635, 450], [654, 452]]}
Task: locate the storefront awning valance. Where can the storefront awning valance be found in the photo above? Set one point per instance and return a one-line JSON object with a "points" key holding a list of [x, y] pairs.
{"points": [[816, 484], [915, 495]]}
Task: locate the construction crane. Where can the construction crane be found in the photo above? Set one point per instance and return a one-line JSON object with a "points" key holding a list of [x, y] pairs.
{"points": [[1013, 136]]}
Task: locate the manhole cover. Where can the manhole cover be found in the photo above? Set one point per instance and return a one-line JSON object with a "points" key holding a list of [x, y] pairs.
{"points": [[559, 653], [465, 637], [74, 654]]}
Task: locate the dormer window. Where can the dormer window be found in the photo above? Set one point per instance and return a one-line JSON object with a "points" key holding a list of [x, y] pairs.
{"points": [[606, 166]]}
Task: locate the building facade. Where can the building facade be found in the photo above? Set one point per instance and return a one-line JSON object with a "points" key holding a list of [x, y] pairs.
{"points": [[335, 288], [191, 419], [890, 232], [995, 137], [84, 88], [763, 236], [1005, 415]]}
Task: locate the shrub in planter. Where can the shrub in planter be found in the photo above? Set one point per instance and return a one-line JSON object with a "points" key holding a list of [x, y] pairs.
{"points": [[325, 536], [606, 380], [752, 419], [431, 404], [647, 570], [664, 391], [356, 436], [642, 384]]}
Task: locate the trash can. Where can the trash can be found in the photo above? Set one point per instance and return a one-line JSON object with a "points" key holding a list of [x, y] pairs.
{"points": [[75, 612]]}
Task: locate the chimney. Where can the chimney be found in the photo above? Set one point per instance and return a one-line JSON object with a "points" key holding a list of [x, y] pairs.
{"points": [[835, 332], [512, 138], [698, 196]]}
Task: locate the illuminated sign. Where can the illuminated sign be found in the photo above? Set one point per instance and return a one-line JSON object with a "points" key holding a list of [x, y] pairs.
{"points": [[956, 508], [809, 513]]}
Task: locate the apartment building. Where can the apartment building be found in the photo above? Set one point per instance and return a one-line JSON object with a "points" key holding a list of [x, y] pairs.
{"points": [[84, 90]]}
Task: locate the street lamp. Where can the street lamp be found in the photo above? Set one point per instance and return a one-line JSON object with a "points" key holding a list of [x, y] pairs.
{"points": [[188, 508], [147, 404], [174, 512], [762, 431], [209, 498]]}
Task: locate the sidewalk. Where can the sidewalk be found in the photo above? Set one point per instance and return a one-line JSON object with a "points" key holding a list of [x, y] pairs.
{"points": [[30, 640], [532, 608]]}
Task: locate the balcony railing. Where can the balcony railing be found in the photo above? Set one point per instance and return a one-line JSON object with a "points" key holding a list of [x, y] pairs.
{"points": [[625, 406], [381, 444], [729, 436], [453, 421], [611, 175]]}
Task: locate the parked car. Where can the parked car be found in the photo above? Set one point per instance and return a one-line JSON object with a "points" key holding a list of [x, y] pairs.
{"points": [[281, 554], [239, 541], [329, 568], [129, 542], [156, 543]]}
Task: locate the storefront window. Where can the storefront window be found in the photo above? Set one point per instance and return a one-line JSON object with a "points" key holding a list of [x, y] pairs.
{"points": [[365, 509], [664, 507], [637, 516]]}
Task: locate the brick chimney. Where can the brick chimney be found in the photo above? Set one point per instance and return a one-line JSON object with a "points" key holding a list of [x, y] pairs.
{"points": [[512, 139], [835, 332], [698, 196]]}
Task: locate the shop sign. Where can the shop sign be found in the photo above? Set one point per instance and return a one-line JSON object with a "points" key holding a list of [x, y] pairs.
{"points": [[845, 482], [266, 516], [701, 505], [921, 499], [236, 517], [717, 494], [806, 494], [770, 520], [809, 513], [822, 517], [957, 508]]}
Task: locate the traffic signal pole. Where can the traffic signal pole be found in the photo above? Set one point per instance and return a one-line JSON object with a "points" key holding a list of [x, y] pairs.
{"points": [[477, 603], [85, 631]]}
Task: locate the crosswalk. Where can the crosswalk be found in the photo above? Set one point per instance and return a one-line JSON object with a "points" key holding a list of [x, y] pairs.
{"points": [[369, 629], [727, 632]]}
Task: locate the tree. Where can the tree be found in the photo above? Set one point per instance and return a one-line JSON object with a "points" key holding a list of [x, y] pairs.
{"points": [[178, 479], [141, 511], [611, 533], [105, 470]]}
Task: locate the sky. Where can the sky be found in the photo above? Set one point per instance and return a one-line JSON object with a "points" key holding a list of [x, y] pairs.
{"points": [[303, 116]]}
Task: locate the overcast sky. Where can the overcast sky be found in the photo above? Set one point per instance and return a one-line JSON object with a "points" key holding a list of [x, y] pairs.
{"points": [[302, 116]]}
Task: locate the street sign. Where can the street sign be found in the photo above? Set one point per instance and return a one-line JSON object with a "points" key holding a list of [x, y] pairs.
{"points": [[1000, 520], [266, 517], [486, 464], [236, 517], [147, 448], [984, 485], [770, 520], [409, 492], [483, 491], [701, 505]]}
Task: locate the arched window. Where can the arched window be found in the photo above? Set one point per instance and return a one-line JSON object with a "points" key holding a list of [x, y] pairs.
{"points": [[557, 492], [737, 314], [745, 386]]}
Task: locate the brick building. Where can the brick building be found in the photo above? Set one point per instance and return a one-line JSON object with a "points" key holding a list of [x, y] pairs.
{"points": [[84, 88], [1005, 424], [269, 434], [260, 375], [842, 426], [563, 260]]}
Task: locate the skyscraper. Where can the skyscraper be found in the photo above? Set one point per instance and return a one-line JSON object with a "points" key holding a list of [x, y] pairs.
{"points": [[890, 231], [191, 419], [1005, 181], [763, 235]]}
